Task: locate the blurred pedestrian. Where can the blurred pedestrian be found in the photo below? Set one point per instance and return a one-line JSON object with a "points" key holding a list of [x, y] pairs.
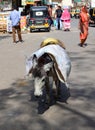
{"points": [[15, 18], [65, 18], [50, 14], [58, 14], [83, 25]]}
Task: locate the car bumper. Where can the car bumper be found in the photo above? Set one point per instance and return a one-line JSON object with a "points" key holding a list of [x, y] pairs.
{"points": [[39, 26]]}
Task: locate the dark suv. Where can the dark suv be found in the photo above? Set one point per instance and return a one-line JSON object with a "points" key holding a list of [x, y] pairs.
{"points": [[92, 16], [39, 18]]}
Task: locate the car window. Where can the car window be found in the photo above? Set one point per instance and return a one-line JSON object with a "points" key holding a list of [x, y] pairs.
{"points": [[93, 12], [39, 13]]}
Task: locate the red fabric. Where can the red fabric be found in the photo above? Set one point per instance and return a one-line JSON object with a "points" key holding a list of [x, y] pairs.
{"points": [[84, 19]]}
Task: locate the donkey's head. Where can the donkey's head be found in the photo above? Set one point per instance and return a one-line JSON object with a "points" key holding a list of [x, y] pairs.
{"points": [[40, 74]]}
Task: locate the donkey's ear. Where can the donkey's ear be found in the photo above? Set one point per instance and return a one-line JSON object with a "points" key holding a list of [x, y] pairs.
{"points": [[35, 60], [48, 66]]}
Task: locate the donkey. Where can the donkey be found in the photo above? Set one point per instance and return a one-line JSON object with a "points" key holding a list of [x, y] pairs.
{"points": [[43, 68]]}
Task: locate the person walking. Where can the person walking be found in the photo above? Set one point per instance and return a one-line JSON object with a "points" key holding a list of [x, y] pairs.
{"points": [[58, 14], [83, 25], [15, 19], [65, 18], [50, 14]]}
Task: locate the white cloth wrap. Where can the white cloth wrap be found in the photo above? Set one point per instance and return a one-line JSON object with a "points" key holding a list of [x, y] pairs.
{"points": [[61, 57]]}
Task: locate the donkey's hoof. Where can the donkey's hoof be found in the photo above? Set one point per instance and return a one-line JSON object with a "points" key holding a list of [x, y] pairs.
{"points": [[42, 109]]}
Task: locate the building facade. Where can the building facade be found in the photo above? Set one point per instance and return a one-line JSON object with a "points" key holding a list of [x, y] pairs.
{"points": [[66, 3], [7, 4]]}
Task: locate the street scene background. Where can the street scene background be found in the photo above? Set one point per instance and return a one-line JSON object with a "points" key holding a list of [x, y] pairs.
{"points": [[18, 113]]}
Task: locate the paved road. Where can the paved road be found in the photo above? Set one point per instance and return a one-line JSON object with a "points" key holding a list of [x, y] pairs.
{"points": [[18, 113]]}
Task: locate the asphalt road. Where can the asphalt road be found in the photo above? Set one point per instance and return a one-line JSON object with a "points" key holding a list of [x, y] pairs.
{"points": [[18, 113]]}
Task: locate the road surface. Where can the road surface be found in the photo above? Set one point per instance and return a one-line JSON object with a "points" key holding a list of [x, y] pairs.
{"points": [[18, 113]]}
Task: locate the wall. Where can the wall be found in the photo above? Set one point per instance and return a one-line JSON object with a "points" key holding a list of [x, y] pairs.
{"points": [[6, 4], [67, 3]]}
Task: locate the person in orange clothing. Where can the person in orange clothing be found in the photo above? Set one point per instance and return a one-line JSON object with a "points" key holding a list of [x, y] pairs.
{"points": [[83, 25]]}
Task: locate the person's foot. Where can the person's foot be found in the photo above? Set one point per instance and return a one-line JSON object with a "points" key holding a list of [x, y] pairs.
{"points": [[21, 41], [68, 29], [15, 42], [85, 44], [81, 45], [65, 29]]}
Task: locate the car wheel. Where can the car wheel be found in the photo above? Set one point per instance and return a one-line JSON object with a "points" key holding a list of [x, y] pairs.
{"points": [[31, 30], [48, 29]]}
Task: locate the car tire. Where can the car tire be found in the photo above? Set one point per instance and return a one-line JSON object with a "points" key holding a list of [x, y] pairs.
{"points": [[31, 30], [48, 30]]}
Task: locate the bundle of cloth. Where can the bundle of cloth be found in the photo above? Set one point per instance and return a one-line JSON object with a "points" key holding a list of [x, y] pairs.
{"points": [[57, 51]]}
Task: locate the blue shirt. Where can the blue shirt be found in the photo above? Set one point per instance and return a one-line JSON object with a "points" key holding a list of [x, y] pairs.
{"points": [[15, 17]]}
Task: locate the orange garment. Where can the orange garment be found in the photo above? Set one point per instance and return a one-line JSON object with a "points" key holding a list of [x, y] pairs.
{"points": [[83, 22]]}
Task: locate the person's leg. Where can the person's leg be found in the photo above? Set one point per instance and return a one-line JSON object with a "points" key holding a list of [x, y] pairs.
{"points": [[82, 40], [56, 23], [68, 25], [65, 26], [14, 34], [82, 37], [49, 20], [60, 24], [84, 34], [19, 33]]}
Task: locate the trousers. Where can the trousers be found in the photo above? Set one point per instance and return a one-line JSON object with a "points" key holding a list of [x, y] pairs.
{"points": [[58, 23], [18, 30]]}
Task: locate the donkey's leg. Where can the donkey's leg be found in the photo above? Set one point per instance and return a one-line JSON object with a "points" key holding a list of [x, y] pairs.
{"points": [[57, 82], [44, 100], [47, 91], [63, 93]]}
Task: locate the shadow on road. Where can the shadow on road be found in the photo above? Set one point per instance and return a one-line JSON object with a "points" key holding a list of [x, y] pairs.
{"points": [[4, 37], [17, 112]]}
